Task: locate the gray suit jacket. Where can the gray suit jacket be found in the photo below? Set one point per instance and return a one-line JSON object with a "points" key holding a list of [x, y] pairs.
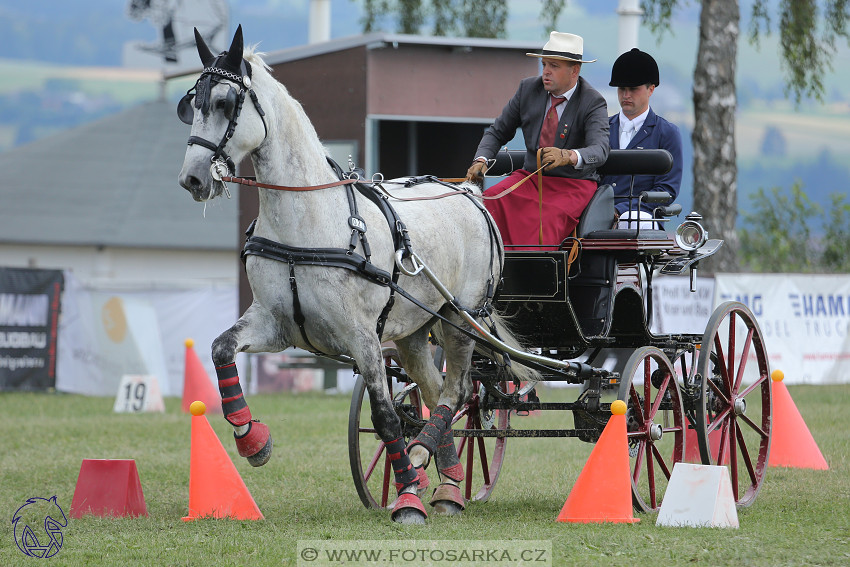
{"points": [[584, 124]]}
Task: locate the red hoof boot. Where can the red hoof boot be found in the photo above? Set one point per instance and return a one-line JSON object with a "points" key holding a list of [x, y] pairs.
{"points": [[424, 482], [256, 445], [408, 509], [448, 500], [422, 479]]}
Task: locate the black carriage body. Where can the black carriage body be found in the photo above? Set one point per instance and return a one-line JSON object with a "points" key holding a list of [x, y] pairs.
{"points": [[604, 298]]}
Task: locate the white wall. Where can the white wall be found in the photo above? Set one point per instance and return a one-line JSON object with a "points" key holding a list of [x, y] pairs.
{"points": [[131, 268]]}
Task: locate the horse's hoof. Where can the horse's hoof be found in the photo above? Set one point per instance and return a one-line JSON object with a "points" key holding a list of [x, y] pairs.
{"points": [[409, 510], [448, 500], [263, 456], [256, 444]]}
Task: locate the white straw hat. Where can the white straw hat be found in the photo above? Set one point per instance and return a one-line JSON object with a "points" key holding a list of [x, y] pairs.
{"points": [[563, 46]]}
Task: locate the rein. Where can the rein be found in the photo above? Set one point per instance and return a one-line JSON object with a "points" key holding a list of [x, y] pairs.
{"points": [[253, 183]]}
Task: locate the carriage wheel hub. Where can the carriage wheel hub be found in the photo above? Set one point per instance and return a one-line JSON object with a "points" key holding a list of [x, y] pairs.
{"points": [[740, 406], [656, 432]]}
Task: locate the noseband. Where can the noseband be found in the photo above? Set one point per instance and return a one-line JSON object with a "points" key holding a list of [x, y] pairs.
{"points": [[222, 164]]}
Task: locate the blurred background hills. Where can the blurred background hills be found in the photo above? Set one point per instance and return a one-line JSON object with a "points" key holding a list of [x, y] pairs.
{"points": [[67, 63]]}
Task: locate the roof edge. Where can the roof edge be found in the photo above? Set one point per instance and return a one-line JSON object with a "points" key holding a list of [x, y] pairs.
{"points": [[376, 41]]}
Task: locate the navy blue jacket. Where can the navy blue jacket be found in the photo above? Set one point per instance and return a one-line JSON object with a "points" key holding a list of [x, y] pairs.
{"points": [[655, 133]]}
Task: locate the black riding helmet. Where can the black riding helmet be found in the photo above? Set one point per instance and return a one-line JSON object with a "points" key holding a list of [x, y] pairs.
{"points": [[634, 68]]}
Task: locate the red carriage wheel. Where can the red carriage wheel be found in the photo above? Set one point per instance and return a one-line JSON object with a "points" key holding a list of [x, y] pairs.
{"points": [[734, 409], [655, 420]]}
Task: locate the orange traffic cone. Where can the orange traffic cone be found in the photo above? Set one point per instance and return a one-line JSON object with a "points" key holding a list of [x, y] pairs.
{"points": [[197, 384], [792, 444], [603, 491], [215, 488]]}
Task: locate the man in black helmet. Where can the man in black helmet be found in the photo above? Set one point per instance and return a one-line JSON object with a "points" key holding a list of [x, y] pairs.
{"points": [[635, 74]]}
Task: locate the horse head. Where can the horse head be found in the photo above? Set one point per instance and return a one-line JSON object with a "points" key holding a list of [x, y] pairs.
{"points": [[214, 107]]}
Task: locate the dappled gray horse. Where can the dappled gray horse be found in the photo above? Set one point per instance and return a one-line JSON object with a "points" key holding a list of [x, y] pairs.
{"points": [[320, 284]]}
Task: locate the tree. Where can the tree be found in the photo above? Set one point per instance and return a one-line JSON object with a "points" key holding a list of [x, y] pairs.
{"points": [[779, 233], [808, 30], [468, 18]]}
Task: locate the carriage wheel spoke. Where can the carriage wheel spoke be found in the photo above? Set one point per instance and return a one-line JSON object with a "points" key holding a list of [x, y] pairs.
{"points": [[733, 456], [719, 420], [639, 460], [730, 361], [659, 458], [658, 399], [718, 392], [650, 475], [385, 491], [753, 386], [636, 405], [745, 455], [742, 364], [721, 360], [722, 450], [367, 474]]}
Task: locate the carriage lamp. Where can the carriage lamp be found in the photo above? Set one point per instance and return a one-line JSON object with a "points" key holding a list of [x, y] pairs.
{"points": [[690, 235]]}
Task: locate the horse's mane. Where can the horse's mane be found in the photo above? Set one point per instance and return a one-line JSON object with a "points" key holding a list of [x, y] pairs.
{"points": [[262, 71], [254, 57]]}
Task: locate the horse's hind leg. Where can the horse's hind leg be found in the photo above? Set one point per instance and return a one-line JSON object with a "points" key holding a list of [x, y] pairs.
{"points": [[436, 437], [408, 508], [253, 439]]}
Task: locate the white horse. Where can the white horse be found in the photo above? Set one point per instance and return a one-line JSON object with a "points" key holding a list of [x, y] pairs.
{"points": [[306, 297]]}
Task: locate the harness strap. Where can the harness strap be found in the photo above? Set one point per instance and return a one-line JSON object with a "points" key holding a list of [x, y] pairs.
{"points": [[297, 313]]}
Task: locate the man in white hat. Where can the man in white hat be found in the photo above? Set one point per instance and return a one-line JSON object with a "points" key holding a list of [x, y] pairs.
{"points": [[562, 115]]}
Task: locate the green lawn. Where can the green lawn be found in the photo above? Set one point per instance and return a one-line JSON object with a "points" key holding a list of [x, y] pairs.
{"points": [[306, 491]]}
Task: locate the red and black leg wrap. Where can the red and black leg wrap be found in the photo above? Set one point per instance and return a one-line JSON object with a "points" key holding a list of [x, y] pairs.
{"points": [[405, 474], [429, 437], [448, 464], [232, 401]]}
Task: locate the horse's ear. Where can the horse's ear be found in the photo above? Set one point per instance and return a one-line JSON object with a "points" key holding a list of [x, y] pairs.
{"points": [[206, 55], [234, 54]]}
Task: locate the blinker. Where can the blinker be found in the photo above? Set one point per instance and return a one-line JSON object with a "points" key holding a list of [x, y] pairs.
{"points": [[185, 112], [230, 103]]}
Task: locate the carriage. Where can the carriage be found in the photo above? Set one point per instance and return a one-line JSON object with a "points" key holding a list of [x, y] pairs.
{"points": [[330, 253], [698, 398]]}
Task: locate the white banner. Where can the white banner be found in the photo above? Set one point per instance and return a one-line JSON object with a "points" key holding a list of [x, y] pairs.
{"points": [[104, 335], [677, 309], [804, 319]]}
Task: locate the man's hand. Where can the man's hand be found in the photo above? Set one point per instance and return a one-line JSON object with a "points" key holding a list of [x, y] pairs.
{"points": [[476, 171], [556, 157]]}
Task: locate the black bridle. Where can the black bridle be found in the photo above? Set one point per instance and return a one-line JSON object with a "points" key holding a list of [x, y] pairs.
{"points": [[221, 163]]}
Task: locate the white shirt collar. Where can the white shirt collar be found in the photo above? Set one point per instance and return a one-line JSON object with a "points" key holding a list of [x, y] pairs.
{"points": [[637, 122], [569, 93]]}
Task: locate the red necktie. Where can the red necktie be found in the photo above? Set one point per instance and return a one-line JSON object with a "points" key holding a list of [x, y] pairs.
{"points": [[550, 124]]}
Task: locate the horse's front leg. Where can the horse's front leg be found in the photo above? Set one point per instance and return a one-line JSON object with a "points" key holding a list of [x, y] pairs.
{"points": [[408, 508], [253, 439]]}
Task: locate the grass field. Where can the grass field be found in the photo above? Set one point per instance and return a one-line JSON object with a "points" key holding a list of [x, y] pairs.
{"points": [[306, 492]]}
